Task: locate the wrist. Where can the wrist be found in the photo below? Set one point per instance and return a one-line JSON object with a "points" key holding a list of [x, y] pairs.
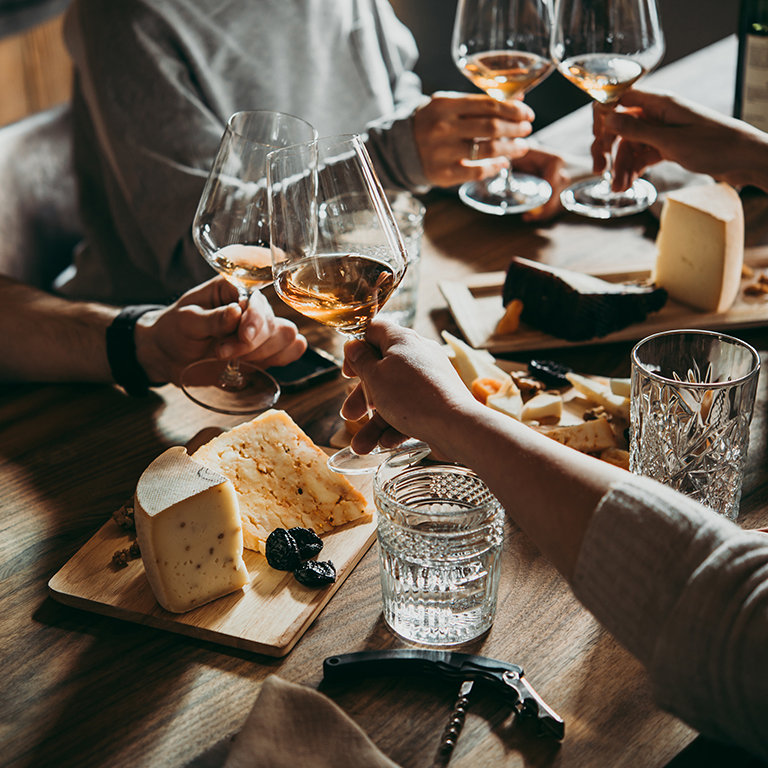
{"points": [[127, 350]]}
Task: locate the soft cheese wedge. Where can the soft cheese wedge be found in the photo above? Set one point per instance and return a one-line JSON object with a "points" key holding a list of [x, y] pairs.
{"points": [[701, 247], [189, 531], [281, 479]]}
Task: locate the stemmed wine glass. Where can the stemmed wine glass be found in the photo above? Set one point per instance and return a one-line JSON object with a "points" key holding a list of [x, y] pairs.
{"points": [[231, 230], [604, 47], [328, 262], [502, 46]]}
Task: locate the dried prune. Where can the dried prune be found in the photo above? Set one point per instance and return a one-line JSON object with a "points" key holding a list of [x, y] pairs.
{"points": [[316, 573], [309, 543], [550, 373], [282, 550]]}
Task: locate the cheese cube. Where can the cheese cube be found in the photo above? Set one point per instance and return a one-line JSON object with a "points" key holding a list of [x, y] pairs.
{"points": [[189, 532], [544, 405], [701, 247], [600, 394], [471, 363], [281, 478]]}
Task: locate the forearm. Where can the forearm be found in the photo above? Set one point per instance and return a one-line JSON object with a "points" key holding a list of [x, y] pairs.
{"points": [[46, 338], [549, 490]]}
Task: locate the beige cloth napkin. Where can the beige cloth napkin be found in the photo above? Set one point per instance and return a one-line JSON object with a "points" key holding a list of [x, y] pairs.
{"points": [[291, 725]]}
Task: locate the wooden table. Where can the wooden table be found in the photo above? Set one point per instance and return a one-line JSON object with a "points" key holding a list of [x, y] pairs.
{"points": [[79, 689]]}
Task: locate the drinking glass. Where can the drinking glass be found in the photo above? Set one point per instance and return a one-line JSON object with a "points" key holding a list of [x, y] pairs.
{"points": [[231, 230], [693, 393], [604, 47], [502, 46], [328, 263], [440, 533]]}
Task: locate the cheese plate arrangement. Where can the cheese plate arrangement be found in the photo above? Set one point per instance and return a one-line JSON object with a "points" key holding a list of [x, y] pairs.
{"points": [[259, 607], [703, 277]]}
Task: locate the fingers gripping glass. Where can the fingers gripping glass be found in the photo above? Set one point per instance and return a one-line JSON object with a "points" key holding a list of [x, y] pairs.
{"points": [[327, 261], [502, 46], [604, 47], [231, 230]]}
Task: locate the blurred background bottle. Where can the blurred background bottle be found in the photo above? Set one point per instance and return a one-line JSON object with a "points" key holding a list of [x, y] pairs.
{"points": [[751, 97]]}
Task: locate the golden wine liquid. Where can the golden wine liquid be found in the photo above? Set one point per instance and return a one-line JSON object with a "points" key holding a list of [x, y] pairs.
{"points": [[342, 290], [249, 265], [604, 76], [504, 74]]}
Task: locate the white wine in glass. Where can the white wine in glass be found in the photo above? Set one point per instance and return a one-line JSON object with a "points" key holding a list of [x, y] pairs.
{"points": [[329, 264], [231, 230], [604, 47], [502, 46]]}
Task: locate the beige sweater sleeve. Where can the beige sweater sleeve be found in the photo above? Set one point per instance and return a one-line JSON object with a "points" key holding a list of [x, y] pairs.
{"points": [[686, 592]]}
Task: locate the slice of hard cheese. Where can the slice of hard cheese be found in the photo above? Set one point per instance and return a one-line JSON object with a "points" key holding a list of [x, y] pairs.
{"points": [[281, 478], [189, 532], [701, 246]]}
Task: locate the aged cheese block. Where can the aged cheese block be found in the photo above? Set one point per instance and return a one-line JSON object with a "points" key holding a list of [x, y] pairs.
{"points": [[189, 531], [701, 246], [576, 306], [281, 478]]}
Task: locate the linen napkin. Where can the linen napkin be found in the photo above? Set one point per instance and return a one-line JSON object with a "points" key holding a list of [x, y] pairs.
{"points": [[292, 725]]}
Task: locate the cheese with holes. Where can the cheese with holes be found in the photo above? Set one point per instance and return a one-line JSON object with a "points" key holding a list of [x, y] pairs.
{"points": [[189, 532], [701, 247], [281, 479]]}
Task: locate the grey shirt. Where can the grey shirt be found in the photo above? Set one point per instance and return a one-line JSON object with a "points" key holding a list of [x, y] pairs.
{"points": [[685, 591], [156, 81]]}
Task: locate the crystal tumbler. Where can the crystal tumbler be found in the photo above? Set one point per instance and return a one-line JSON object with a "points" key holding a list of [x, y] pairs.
{"points": [[440, 533], [693, 393]]}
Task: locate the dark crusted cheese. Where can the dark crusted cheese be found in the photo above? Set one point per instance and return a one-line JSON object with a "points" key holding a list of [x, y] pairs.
{"points": [[576, 306]]}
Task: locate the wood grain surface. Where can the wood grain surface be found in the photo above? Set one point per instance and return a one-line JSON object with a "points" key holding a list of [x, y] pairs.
{"points": [[87, 690]]}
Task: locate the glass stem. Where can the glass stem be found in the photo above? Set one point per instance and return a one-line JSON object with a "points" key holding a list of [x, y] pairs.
{"points": [[231, 377]]}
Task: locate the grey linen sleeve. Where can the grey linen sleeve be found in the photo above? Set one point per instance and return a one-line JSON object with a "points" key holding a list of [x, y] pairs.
{"points": [[686, 592]]}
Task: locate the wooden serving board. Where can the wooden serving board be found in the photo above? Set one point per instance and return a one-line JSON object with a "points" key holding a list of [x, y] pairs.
{"points": [[476, 306], [268, 616]]}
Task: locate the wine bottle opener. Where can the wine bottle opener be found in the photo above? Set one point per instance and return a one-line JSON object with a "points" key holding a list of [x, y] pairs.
{"points": [[503, 677]]}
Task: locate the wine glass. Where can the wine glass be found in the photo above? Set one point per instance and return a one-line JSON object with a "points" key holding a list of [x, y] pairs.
{"points": [[231, 230], [328, 262], [502, 46], [605, 47]]}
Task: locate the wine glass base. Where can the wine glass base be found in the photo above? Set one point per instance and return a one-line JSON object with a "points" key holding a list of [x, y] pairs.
{"points": [[501, 197], [347, 462], [593, 198], [201, 383]]}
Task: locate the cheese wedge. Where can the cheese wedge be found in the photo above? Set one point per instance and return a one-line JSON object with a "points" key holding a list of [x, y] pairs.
{"points": [[544, 405], [472, 363], [507, 400], [600, 394], [189, 532], [701, 247], [281, 479], [590, 437]]}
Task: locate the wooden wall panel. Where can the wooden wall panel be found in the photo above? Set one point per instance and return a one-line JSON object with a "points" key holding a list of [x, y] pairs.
{"points": [[35, 70]]}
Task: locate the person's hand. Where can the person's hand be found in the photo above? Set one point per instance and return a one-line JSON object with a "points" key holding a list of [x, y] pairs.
{"points": [[447, 126], [208, 321], [412, 385], [550, 167], [658, 126]]}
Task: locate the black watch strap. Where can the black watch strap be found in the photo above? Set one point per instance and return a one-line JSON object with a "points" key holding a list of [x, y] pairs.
{"points": [[121, 350]]}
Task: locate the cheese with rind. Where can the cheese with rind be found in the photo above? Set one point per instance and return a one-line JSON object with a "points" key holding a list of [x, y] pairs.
{"points": [[701, 247], [281, 478], [189, 532]]}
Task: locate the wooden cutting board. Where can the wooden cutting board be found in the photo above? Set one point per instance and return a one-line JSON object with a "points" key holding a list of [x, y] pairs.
{"points": [[268, 616], [477, 308]]}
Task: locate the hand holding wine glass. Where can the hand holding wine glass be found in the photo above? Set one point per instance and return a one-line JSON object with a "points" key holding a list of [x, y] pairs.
{"points": [[604, 47], [329, 262], [231, 230], [502, 46]]}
